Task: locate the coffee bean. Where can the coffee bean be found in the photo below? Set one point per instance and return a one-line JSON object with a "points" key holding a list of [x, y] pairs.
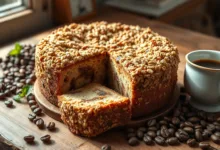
{"points": [[188, 130], [218, 119], [40, 123], [32, 102], [217, 128], [171, 131], [158, 133], [35, 120], [9, 103], [217, 134], [45, 139], [29, 139], [2, 96], [194, 119], [165, 133], [31, 117], [211, 127], [210, 118], [159, 140], [30, 97], [106, 147], [208, 132], [37, 111], [175, 121], [176, 113], [133, 141], [147, 140], [204, 145], [152, 129], [182, 135], [51, 126], [129, 135], [20, 85], [188, 124], [205, 135], [215, 139], [163, 122], [191, 142], [172, 141], [140, 134], [151, 123], [152, 134], [143, 129], [34, 107], [198, 136]]}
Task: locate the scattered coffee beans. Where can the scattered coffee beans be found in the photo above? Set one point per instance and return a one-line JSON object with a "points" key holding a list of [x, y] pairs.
{"points": [[45, 139], [31, 117], [40, 123], [191, 142], [106, 147], [204, 145], [51, 126], [29, 139], [37, 111], [133, 141], [9, 103]]}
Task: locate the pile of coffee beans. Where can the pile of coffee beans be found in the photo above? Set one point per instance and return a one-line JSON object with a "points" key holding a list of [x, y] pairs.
{"points": [[18, 71], [184, 124], [33, 104]]}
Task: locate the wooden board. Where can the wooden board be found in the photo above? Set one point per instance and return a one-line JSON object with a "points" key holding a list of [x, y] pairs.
{"points": [[14, 123], [54, 111]]}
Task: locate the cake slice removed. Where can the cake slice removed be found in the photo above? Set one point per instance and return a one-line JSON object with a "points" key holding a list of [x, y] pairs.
{"points": [[93, 109]]}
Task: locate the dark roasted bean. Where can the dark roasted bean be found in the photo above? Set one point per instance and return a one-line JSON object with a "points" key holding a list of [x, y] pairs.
{"points": [[194, 119], [9, 103], [140, 134], [171, 131], [188, 124], [31, 117], [35, 120], [131, 134], [191, 142], [34, 107], [2, 96], [32, 102], [175, 121], [159, 140], [204, 145], [29, 139], [143, 129], [147, 140], [106, 147], [188, 130], [182, 136], [198, 136], [37, 111], [211, 127], [152, 129], [152, 134], [215, 139], [51, 126], [165, 133], [172, 141], [133, 141], [217, 134], [45, 139], [158, 133], [30, 97], [151, 123], [40, 123]]}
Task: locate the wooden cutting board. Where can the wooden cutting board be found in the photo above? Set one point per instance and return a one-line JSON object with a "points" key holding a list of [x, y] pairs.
{"points": [[14, 124]]}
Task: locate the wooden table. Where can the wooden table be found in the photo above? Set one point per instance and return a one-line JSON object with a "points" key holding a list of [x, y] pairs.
{"points": [[14, 124]]}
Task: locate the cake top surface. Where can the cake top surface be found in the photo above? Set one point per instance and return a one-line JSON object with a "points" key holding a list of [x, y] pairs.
{"points": [[140, 50], [92, 95]]}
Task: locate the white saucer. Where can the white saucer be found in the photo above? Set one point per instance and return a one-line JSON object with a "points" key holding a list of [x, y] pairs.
{"points": [[204, 107]]}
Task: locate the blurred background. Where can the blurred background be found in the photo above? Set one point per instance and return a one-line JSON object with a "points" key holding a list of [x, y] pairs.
{"points": [[21, 18]]}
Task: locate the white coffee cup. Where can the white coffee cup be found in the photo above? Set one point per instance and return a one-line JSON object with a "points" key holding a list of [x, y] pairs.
{"points": [[203, 83]]}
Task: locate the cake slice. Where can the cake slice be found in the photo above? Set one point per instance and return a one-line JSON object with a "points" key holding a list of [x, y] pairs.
{"points": [[93, 109]]}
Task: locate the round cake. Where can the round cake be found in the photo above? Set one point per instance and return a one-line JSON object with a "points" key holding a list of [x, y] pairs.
{"points": [[133, 61]]}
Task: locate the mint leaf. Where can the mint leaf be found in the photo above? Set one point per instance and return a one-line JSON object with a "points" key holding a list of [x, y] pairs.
{"points": [[17, 98], [24, 90], [16, 51]]}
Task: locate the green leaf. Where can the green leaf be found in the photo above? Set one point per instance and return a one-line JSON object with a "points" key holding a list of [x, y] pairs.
{"points": [[16, 51], [17, 98], [24, 90]]}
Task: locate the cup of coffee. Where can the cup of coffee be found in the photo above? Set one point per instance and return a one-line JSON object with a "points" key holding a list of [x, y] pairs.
{"points": [[202, 79]]}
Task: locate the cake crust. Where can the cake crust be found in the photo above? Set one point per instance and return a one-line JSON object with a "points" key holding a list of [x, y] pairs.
{"points": [[149, 61]]}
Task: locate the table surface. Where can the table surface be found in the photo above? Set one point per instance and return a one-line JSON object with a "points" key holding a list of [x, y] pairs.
{"points": [[14, 124]]}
